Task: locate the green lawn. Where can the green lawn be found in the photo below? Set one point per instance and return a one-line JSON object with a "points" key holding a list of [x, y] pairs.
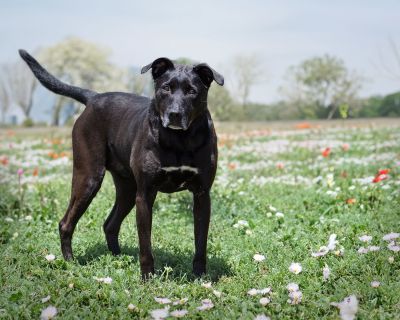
{"points": [[290, 196]]}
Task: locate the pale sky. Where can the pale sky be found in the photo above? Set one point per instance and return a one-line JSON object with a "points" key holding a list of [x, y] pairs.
{"points": [[282, 33]]}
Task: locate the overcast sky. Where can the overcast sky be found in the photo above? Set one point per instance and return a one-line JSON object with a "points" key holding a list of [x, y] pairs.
{"points": [[281, 33]]}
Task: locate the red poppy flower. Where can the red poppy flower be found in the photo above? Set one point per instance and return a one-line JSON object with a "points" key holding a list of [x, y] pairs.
{"points": [[326, 152], [351, 201]]}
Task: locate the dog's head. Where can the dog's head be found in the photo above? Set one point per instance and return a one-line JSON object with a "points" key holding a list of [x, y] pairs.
{"points": [[181, 91]]}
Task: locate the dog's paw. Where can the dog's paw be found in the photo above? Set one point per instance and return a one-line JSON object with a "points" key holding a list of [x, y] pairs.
{"points": [[199, 269]]}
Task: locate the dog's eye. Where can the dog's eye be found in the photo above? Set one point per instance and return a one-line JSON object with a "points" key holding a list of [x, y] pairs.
{"points": [[192, 91], [166, 88]]}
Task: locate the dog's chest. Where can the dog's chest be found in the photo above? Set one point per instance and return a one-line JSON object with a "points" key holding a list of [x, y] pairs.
{"points": [[176, 172]]}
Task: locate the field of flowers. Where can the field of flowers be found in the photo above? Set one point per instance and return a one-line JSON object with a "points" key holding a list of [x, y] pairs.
{"points": [[305, 225]]}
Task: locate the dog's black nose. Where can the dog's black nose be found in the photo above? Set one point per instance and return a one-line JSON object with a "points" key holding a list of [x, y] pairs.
{"points": [[175, 118]]}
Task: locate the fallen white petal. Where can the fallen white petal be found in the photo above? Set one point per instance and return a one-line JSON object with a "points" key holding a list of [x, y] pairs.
{"points": [[252, 292], [48, 313], [217, 293], [159, 314], [264, 301], [162, 300], [50, 257], [262, 317], [348, 307], [258, 257], [207, 285], [206, 304], [45, 299], [391, 236], [326, 272], [375, 284], [295, 268], [292, 287], [179, 313], [365, 238]]}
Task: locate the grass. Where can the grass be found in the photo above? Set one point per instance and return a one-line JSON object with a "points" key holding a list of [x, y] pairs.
{"points": [[311, 191]]}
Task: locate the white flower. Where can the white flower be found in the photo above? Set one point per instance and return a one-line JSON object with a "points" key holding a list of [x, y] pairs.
{"points": [[107, 280], [48, 313], [28, 218], [217, 293], [271, 208], [159, 314], [279, 215], [295, 268], [132, 307], [375, 284], [264, 301], [374, 248], [258, 257], [50, 257], [363, 250], [262, 317], [326, 272], [180, 301], [248, 232], [45, 299], [8, 219], [206, 285], [365, 238], [295, 297], [206, 304], [179, 313], [393, 247], [252, 292], [332, 242], [71, 285], [321, 252], [241, 223], [352, 187], [265, 290], [391, 259], [391, 236], [292, 287], [162, 300], [348, 307]]}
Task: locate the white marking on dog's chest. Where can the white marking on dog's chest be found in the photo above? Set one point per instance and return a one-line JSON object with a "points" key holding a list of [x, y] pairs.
{"points": [[181, 168]]}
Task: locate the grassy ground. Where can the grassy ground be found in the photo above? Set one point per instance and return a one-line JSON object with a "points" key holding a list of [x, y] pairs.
{"points": [[291, 197]]}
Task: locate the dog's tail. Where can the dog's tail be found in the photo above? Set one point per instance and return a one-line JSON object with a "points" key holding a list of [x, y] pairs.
{"points": [[52, 83]]}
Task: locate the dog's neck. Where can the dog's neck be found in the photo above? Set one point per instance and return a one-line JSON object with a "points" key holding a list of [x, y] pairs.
{"points": [[180, 140]]}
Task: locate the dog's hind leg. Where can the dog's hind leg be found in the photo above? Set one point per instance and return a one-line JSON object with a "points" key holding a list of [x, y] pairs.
{"points": [[88, 173], [125, 189], [84, 188]]}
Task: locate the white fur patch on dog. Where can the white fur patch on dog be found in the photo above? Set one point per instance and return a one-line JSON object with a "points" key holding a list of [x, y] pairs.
{"points": [[181, 168]]}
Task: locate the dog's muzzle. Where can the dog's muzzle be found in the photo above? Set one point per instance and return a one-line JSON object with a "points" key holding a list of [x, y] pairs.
{"points": [[174, 121]]}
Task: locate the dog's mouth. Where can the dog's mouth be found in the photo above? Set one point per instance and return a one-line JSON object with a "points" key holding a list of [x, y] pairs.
{"points": [[175, 127]]}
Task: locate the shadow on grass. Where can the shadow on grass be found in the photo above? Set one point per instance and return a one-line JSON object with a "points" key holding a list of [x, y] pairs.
{"points": [[179, 261]]}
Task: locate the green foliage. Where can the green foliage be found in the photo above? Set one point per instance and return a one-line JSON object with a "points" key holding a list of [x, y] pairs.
{"points": [[28, 122]]}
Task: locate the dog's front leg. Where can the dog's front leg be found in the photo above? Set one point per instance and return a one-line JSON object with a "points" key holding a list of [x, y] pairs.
{"points": [[144, 213], [201, 215]]}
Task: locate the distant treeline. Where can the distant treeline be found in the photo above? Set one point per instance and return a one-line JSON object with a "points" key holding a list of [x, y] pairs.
{"points": [[375, 106]]}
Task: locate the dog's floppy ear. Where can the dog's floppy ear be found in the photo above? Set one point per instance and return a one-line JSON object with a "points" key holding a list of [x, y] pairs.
{"points": [[208, 74], [158, 67]]}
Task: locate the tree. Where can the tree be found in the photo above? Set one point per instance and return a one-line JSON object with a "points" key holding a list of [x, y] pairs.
{"points": [[322, 83], [247, 72], [4, 94], [221, 104], [22, 85], [83, 64]]}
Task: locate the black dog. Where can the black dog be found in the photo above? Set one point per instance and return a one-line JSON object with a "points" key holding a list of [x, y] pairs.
{"points": [[165, 144]]}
